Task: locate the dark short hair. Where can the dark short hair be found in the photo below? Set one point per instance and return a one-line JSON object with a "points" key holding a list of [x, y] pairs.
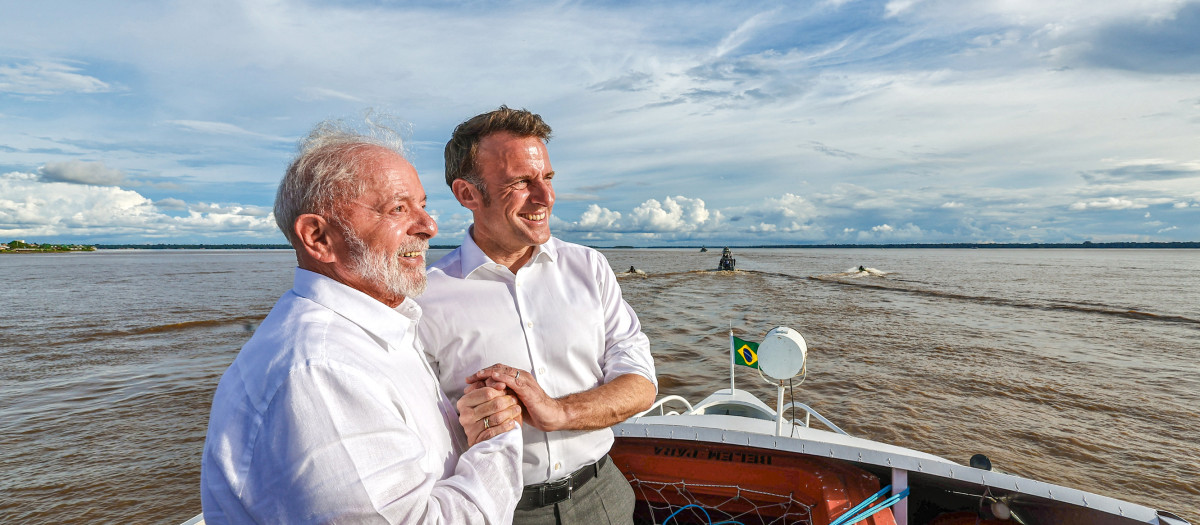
{"points": [[463, 149]]}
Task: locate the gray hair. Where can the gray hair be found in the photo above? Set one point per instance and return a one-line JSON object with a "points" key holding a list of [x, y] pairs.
{"points": [[325, 171]]}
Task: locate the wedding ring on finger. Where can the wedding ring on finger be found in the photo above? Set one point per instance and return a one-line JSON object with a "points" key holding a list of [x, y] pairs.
{"points": [[486, 424], [517, 375]]}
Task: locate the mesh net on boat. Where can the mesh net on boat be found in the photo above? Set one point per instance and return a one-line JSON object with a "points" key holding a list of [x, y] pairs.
{"points": [[656, 501]]}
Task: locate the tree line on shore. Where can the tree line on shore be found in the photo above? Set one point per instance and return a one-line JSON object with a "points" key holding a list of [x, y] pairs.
{"points": [[20, 246]]}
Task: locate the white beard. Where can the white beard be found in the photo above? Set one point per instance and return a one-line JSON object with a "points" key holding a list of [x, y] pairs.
{"points": [[376, 266]]}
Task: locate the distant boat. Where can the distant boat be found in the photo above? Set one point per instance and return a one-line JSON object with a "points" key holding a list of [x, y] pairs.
{"points": [[727, 263], [703, 249]]}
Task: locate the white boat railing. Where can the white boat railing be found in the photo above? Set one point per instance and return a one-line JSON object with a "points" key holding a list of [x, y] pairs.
{"points": [[812, 412], [659, 405], [809, 412]]}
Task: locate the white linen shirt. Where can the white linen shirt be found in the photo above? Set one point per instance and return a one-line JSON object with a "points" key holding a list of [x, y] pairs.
{"points": [[561, 317], [330, 413]]}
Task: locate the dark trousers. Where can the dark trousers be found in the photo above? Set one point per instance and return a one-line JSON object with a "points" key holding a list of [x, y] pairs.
{"points": [[607, 498]]}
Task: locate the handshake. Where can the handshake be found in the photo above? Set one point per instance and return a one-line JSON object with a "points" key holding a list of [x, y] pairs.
{"points": [[500, 397]]}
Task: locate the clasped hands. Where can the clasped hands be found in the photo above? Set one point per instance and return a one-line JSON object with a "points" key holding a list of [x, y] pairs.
{"points": [[499, 397]]}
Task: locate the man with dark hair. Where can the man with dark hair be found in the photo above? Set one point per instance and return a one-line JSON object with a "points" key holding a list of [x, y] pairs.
{"points": [[548, 317], [330, 413]]}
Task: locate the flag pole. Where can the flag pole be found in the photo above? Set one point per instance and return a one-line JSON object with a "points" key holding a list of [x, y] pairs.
{"points": [[731, 358]]}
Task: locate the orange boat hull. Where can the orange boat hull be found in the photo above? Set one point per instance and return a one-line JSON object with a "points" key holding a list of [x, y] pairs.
{"points": [[715, 472]]}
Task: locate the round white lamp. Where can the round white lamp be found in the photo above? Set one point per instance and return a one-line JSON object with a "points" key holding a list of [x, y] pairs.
{"points": [[781, 356], [782, 353]]}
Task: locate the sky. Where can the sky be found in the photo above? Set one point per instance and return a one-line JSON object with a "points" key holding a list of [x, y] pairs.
{"points": [[675, 123]]}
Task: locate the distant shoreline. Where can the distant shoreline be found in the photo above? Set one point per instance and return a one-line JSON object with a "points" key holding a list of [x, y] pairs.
{"points": [[193, 247], [1085, 244], [1088, 245]]}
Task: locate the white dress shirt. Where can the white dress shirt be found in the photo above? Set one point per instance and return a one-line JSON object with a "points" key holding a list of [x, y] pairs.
{"points": [[330, 413], [561, 317]]}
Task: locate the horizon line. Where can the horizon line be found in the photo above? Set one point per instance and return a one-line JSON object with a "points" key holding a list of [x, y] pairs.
{"points": [[1082, 244]]}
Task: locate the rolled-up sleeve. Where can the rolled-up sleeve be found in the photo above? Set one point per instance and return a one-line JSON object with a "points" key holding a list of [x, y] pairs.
{"points": [[626, 348]]}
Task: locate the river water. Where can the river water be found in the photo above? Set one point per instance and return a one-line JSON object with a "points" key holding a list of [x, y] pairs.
{"points": [[1077, 367]]}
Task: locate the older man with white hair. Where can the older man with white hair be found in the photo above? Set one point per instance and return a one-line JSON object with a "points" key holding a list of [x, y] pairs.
{"points": [[330, 413]]}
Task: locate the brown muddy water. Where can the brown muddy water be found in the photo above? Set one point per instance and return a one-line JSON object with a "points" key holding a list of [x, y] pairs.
{"points": [[1077, 367]]}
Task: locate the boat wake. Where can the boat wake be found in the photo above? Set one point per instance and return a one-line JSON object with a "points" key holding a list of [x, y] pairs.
{"points": [[1089, 308], [632, 272], [856, 273], [248, 323]]}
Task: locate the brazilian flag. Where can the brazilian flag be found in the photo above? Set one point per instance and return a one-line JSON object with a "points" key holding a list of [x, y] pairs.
{"points": [[745, 353]]}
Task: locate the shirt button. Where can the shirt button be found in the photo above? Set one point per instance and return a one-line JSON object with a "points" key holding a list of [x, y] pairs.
{"points": [[541, 371], [529, 324], [557, 466]]}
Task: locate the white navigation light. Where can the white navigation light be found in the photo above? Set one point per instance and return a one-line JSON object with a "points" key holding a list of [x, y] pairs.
{"points": [[1000, 510], [782, 353]]}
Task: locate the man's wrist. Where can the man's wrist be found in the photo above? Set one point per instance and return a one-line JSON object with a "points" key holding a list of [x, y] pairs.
{"points": [[562, 415]]}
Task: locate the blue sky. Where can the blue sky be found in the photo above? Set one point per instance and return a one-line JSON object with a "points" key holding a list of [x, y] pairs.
{"points": [[676, 123]]}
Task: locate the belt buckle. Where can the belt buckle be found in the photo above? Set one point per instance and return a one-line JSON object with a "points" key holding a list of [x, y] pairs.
{"points": [[554, 486]]}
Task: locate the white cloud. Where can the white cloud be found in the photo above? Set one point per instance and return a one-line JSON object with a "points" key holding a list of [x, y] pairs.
{"points": [[887, 233], [208, 208], [673, 214], [1060, 16], [57, 209], [222, 128], [317, 93], [1111, 203], [171, 203], [17, 176], [452, 227], [48, 78], [81, 172], [744, 32], [597, 218], [896, 7], [787, 214], [672, 218]]}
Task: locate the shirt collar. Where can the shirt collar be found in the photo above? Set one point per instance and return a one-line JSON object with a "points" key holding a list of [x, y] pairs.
{"points": [[473, 257], [388, 324]]}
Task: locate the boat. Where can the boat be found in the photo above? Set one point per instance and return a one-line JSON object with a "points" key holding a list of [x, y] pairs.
{"points": [[727, 262], [731, 458]]}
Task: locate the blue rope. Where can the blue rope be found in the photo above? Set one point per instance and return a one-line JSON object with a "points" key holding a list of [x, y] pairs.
{"points": [[885, 504], [850, 517], [850, 513], [707, 518], [681, 509]]}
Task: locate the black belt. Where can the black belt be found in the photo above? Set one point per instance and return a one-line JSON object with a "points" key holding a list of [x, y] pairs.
{"points": [[551, 492]]}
